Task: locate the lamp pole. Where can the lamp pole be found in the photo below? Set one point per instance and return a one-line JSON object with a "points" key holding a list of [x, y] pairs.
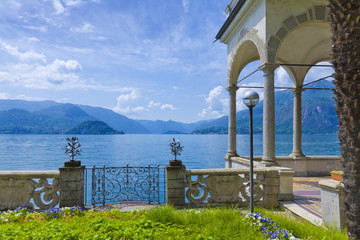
{"points": [[250, 99]]}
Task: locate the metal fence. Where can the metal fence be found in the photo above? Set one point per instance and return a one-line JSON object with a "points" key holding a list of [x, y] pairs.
{"points": [[105, 185]]}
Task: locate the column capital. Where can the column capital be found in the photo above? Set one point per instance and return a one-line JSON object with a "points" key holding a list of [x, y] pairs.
{"points": [[297, 90], [232, 88], [266, 67]]}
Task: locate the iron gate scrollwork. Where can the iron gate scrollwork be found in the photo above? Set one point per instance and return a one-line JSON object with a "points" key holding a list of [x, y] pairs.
{"points": [[125, 184]]}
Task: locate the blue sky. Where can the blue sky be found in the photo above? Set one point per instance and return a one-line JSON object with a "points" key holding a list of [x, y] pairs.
{"points": [[148, 59]]}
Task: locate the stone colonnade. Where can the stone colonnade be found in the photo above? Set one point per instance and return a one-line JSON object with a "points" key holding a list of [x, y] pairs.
{"points": [[268, 158]]}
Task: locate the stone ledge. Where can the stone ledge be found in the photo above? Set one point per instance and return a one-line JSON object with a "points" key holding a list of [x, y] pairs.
{"points": [[29, 174], [331, 184]]}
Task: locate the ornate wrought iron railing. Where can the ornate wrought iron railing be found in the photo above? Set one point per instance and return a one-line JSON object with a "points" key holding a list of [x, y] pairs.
{"points": [[227, 186], [125, 184], [33, 189]]}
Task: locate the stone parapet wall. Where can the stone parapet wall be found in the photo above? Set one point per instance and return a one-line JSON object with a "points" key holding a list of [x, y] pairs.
{"points": [[217, 187], [33, 189], [303, 166]]}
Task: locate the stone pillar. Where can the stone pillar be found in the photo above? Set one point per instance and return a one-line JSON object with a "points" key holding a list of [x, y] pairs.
{"points": [[271, 188], [268, 158], [232, 123], [175, 183], [332, 203], [297, 145], [286, 184], [72, 186]]}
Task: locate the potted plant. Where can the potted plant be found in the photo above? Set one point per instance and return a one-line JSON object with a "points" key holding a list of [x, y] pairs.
{"points": [[72, 149], [337, 175], [175, 149]]}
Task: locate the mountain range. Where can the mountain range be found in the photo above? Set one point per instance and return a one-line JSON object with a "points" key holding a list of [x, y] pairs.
{"points": [[49, 117]]}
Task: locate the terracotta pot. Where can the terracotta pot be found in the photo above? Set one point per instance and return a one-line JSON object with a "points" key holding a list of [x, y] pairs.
{"points": [[336, 176]]}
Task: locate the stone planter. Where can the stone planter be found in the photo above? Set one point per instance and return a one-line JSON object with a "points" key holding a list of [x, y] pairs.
{"points": [[72, 164], [336, 176], [174, 163]]}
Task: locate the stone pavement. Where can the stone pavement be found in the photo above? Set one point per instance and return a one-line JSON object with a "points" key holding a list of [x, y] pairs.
{"points": [[307, 199]]}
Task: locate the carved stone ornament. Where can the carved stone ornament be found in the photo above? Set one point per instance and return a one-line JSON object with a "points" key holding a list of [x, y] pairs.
{"points": [[15, 193], [223, 189]]}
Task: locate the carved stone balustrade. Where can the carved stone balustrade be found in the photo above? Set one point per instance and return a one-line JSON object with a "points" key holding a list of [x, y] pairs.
{"points": [[231, 187], [29, 188]]}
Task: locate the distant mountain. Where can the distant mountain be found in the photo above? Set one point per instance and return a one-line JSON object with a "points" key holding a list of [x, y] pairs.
{"points": [[30, 106], [318, 114], [59, 117], [164, 127], [93, 127], [117, 121], [52, 120], [45, 117]]}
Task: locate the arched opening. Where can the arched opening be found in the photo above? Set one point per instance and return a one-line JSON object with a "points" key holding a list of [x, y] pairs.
{"points": [[246, 53]]}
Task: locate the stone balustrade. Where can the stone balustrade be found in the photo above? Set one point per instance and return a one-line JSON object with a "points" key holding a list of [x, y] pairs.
{"points": [[303, 166], [231, 187], [33, 189]]}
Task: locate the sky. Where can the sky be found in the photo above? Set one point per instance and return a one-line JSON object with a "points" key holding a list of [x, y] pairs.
{"points": [[145, 59]]}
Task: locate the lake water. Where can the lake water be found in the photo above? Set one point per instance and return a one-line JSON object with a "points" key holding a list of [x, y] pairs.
{"points": [[45, 152]]}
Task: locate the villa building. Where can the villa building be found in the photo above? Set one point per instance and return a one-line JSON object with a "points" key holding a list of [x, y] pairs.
{"points": [[289, 33]]}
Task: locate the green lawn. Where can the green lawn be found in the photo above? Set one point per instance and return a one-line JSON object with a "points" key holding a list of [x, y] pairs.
{"points": [[158, 223]]}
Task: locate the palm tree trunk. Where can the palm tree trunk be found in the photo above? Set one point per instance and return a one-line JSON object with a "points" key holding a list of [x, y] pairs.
{"points": [[345, 25]]}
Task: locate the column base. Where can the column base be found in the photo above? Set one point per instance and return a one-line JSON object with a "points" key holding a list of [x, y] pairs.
{"points": [[230, 155], [269, 162], [297, 155]]}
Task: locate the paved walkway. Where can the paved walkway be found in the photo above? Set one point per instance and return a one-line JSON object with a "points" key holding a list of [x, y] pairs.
{"points": [[307, 199]]}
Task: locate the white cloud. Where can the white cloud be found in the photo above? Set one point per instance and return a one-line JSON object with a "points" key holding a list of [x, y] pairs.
{"points": [[20, 96], [99, 38], [37, 28], [33, 39], [4, 96], [168, 107], [216, 103], [85, 28], [282, 78], [185, 4], [57, 75], [59, 8], [153, 104], [125, 103], [72, 2], [316, 73], [24, 97], [25, 56]]}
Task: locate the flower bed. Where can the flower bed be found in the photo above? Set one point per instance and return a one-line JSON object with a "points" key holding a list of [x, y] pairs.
{"points": [[157, 223]]}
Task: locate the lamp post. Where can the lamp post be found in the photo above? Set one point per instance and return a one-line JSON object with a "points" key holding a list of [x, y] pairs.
{"points": [[250, 99]]}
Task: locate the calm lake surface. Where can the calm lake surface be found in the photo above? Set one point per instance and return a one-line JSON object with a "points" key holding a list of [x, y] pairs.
{"points": [[45, 152]]}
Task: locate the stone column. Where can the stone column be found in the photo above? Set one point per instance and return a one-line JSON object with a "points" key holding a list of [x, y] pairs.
{"points": [[175, 183], [232, 122], [72, 186], [297, 145], [268, 158]]}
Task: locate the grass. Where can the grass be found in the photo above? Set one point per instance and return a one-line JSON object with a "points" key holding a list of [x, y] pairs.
{"points": [[158, 223]]}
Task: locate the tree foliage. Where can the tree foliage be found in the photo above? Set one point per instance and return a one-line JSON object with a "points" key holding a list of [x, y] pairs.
{"points": [[345, 25]]}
